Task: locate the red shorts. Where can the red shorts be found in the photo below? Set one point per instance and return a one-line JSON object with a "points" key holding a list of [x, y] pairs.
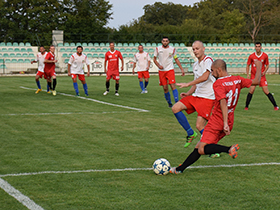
{"points": [[113, 74], [144, 74], [202, 106], [166, 77], [214, 130], [49, 74], [80, 76], [40, 74], [263, 81]]}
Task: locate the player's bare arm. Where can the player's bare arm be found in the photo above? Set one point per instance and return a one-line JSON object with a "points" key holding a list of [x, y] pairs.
{"points": [[122, 64], [180, 66], [148, 67], [105, 63], [224, 108], [88, 73], [33, 61], [134, 65], [248, 71], [265, 70], [69, 69], [200, 79], [257, 79], [157, 64], [50, 61], [191, 91]]}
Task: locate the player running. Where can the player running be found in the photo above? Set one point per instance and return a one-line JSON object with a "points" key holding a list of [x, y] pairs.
{"points": [[76, 68], [143, 62], [165, 55], [200, 97], [49, 70], [40, 58], [112, 56], [263, 57], [227, 91]]}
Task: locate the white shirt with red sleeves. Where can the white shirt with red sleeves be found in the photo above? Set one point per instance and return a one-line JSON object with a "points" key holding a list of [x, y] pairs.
{"points": [[142, 61], [77, 63], [204, 89], [165, 57], [40, 58]]}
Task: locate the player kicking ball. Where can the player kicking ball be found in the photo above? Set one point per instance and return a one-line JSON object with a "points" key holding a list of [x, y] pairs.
{"points": [[76, 69], [143, 61], [227, 91]]}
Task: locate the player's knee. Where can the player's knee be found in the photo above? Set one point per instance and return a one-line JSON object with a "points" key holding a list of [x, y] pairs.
{"points": [[201, 150], [176, 108]]}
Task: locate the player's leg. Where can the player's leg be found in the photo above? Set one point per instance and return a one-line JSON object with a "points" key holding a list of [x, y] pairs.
{"points": [[117, 87], [38, 83], [171, 78], [182, 119], [141, 84], [75, 84], [270, 97], [249, 96], [83, 80], [175, 92], [107, 84], [167, 95], [54, 84], [146, 84]]}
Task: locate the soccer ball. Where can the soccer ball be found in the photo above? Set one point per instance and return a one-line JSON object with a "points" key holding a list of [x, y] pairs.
{"points": [[161, 166]]}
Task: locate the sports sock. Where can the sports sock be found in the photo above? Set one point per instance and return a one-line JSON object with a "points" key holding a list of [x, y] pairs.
{"points": [[192, 158], [175, 95], [167, 97], [146, 83], [182, 119], [76, 87], [48, 88], [201, 132], [107, 85], [50, 85], [54, 84], [271, 98], [38, 84], [248, 100], [141, 85], [85, 88], [117, 87], [210, 149]]}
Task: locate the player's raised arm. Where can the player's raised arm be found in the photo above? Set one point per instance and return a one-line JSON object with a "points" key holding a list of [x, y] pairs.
{"points": [[257, 79]]}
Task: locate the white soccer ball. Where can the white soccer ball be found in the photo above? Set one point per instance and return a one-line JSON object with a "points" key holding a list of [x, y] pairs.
{"points": [[161, 166]]}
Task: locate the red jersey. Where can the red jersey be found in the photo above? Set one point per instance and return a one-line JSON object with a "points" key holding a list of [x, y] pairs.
{"points": [[227, 88], [113, 60], [49, 66], [263, 57]]}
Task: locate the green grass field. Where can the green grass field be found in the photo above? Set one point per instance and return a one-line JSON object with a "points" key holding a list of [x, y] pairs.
{"points": [[55, 134]]}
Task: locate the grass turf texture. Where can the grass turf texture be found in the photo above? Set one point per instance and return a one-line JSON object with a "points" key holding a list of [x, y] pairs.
{"points": [[87, 138]]}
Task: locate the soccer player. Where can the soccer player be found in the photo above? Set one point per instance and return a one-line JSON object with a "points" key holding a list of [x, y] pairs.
{"points": [[165, 55], [49, 70], [40, 58], [76, 68], [263, 57], [143, 61], [112, 56], [227, 90], [200, 97]]}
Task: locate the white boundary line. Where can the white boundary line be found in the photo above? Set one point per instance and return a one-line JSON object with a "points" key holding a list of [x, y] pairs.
{"points": [[24, 200], [65, 113], [94, 100], [274, 84], [132, 169]]}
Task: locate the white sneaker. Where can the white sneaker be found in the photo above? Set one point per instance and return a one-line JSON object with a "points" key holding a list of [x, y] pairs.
{"points": [[117, 94], [145, 91], [105, 93]]}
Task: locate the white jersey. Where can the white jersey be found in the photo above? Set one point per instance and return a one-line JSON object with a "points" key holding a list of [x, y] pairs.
{"points": [[142, 61], [77, 63], [204, 89], [40, 58], [165, 57]]}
